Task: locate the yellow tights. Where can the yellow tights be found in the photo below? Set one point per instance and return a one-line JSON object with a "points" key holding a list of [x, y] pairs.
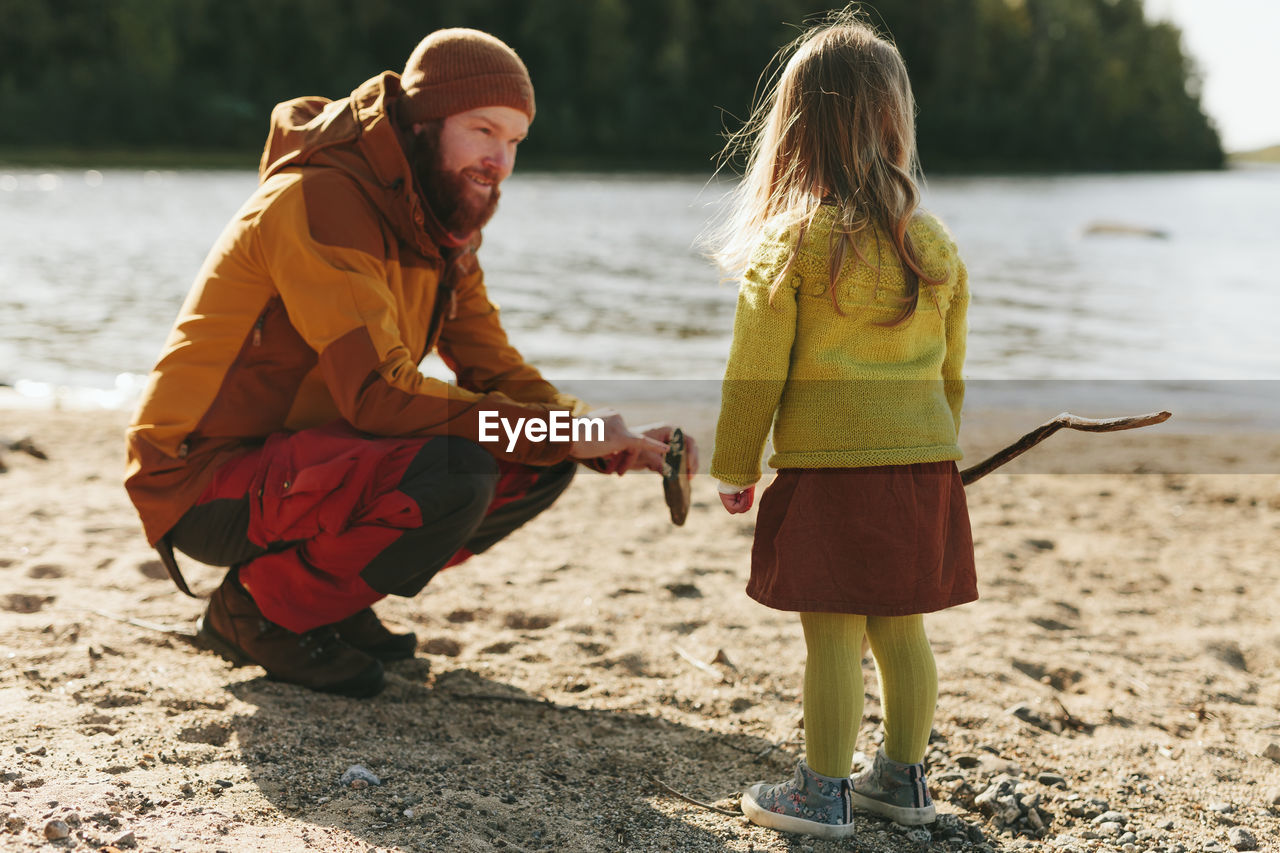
{"points": [[833, 687]]}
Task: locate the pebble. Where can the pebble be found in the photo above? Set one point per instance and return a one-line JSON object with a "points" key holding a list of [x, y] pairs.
{"points": [[359, 773], [15, 824], [919, 835], [56, 830], [1241, 839], [1051, 780], [1111, 817], [223, 782], [951, 826], [126, 840], [1273, 752], [1222, 808]]}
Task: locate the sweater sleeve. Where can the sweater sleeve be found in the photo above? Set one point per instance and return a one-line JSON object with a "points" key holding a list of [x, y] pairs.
{"points": [[956, 329], [759, 359]]}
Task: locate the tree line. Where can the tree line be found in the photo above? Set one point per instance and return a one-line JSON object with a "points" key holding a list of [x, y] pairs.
{"points": [[1001, 84]]}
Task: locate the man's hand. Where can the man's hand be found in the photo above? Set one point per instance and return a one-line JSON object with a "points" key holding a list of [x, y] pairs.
{"points": [[737, 502], [651, 461], [618, 439]]}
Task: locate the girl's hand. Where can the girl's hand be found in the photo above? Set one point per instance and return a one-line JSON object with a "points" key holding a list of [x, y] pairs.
{"points": [[739, 502]]}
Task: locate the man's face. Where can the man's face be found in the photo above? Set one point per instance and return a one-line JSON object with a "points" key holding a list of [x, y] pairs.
{"points": [[461, 161]]}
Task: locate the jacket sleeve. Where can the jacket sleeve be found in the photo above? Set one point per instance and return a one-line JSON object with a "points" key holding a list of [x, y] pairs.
{"points": [[334, 288], [759, 359], [475, 347]]}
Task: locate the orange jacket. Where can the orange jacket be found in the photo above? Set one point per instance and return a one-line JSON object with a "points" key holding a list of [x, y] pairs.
{"points": [[318, 302]]}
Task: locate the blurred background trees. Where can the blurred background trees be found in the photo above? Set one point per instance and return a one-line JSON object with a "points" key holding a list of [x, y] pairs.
{"points": [[1001, 84]]}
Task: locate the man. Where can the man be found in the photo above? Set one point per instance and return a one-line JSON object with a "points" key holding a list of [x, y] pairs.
{"points": [[286, 431]]}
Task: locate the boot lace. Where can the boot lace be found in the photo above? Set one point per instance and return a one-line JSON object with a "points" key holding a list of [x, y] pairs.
{"points": [[319, 642]]}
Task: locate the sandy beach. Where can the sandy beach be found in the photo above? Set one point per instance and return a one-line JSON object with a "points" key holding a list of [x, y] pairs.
{"points": [[1114, 688]]}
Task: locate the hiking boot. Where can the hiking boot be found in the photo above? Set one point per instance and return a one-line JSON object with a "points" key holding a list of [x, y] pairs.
{"points": [[809, 804], [897, 791], [235, 628], [366, 632]]}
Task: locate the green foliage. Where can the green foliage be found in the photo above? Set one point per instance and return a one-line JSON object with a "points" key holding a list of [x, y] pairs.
{"points": [[1001, 84]]}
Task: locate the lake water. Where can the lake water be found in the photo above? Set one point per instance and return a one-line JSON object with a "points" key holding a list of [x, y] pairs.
{"points": [[600, 277]]}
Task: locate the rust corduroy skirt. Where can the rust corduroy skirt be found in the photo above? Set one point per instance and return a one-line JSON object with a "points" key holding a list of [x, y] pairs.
{"points": [[890, 540]]}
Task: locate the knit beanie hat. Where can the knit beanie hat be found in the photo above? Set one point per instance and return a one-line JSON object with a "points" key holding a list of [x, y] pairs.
{"points": [[455, 70]]}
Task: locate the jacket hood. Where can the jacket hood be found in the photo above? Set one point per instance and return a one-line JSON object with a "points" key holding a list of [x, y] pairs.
{"points": [[357, 135]]}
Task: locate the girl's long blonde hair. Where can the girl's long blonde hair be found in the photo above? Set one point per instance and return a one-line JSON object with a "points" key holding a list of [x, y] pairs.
{"points": [[836, 127]]}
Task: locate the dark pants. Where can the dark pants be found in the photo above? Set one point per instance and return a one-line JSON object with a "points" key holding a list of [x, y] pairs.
{"points": [[324, 522]]}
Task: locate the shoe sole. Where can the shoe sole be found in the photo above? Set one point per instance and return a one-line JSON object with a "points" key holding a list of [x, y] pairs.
{"points": [[360, 686], [905, 815], [786, 823]]}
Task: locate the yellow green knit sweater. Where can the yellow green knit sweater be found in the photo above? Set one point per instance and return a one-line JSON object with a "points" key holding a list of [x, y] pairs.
{"points": [[842, 391]]}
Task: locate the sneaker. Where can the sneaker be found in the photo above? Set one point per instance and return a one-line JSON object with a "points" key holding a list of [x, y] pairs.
{"points": [[809, 804], [897, 791], [235, 628], [366, 632]]}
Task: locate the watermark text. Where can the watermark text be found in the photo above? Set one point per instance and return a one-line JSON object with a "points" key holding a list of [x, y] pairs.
{"points": [[558, 426]]}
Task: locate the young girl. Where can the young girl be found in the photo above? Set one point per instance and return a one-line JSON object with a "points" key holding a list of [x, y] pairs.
{"points": [[849, 341]]}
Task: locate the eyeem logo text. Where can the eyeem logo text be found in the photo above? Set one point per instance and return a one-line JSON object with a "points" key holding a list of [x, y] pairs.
{"points": [[559, 426]]}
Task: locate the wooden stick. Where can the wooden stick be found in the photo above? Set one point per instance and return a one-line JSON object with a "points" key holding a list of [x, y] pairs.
{"points": [[1040, 433], [673, 792], [174, 630], [705, 667]]}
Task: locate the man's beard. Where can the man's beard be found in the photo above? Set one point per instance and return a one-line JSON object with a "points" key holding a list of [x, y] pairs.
{"points": [[450, 195]]}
